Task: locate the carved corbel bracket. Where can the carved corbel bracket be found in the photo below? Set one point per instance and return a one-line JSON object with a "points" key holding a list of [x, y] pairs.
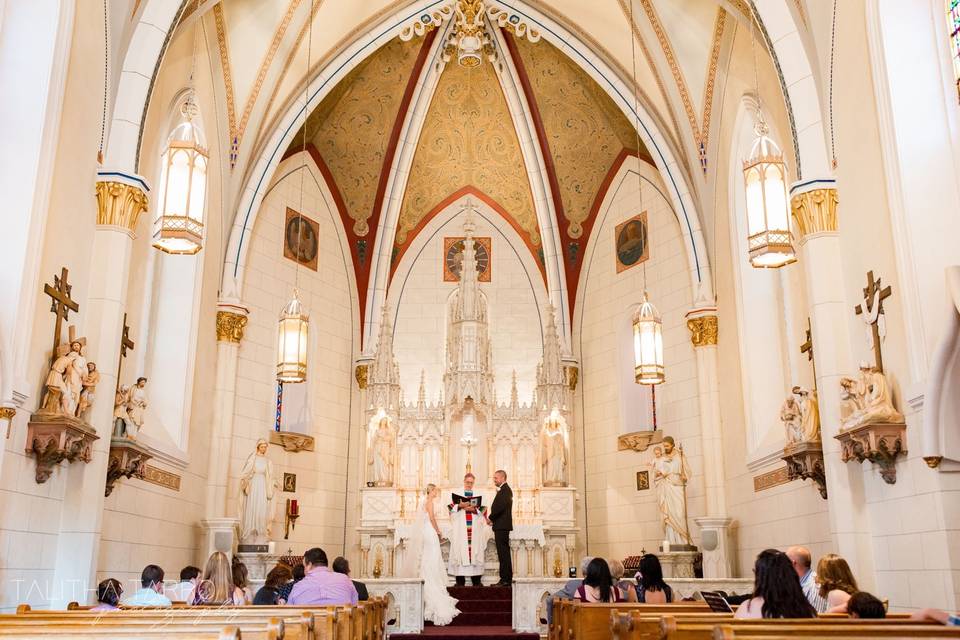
{"points": [[54, 438], [805, 462], [292, 442], [127, 460], [638, 440], [880, 443]]}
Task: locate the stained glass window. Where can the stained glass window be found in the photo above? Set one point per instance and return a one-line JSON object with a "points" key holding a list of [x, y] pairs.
{"points": [[953, 26]]}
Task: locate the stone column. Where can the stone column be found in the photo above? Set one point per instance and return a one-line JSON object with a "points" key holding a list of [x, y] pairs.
{"points": [[715, 526], [814, 206], [219, 526], [121, 198]]}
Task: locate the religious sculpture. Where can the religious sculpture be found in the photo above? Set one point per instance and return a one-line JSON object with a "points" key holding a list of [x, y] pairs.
{"points": [[65, 380], [554, 446], [671, 473], [129, 408], [382, 452], [120, 412], [866, 400], [257, 486], [800, 415], [89, 383]]}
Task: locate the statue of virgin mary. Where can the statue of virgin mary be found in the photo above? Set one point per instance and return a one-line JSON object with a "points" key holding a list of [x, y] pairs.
{"points": [[256, 496]]}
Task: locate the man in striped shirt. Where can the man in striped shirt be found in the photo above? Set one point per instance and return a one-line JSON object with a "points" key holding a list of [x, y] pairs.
{"points": [[802, 562]]}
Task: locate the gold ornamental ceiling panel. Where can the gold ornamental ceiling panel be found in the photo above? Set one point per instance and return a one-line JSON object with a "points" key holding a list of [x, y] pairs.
{"points": [[351, 126], [586, 132], [468, 139]]}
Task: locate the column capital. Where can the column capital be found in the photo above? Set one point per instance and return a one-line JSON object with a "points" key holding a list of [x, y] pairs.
{"points": [[703, 325], [121, 198], [231, 321], [813, 204]]}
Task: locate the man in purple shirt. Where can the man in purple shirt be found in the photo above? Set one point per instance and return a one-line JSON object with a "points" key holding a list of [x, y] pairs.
{"points": [[320, 585]]}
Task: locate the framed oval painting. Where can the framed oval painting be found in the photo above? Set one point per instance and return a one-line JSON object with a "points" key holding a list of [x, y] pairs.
{"points": [[631, 242]]}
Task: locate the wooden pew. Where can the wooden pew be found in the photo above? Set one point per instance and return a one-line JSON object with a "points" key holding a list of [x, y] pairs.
{"points": [[255, 629], [574, 620], [674, 628], [43, 633]]}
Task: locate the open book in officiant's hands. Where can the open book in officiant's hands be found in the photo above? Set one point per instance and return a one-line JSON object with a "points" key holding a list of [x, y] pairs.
{"points": [[476, 501]]}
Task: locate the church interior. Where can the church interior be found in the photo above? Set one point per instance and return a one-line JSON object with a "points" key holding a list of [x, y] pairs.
{"points": [[680, 269]]}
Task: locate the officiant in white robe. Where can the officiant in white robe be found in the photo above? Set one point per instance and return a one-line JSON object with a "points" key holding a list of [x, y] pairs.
{"points": [[469, 533]]}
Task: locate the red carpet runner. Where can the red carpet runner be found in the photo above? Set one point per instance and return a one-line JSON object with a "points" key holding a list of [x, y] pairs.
{"points": [[485, 614]]}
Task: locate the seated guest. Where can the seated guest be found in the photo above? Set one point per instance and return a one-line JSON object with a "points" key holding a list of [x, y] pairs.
{"points": [[284, 590], [239, 572], [776, 590], [183, 590], [836, 582], [216, 585], [650, 585], [150, 593], [937, 615], [803, 564], [320, 585], [598, 584], [626, 589], [865, 605], [341, 565], [569, 590], [108, 595], [269, 593]]}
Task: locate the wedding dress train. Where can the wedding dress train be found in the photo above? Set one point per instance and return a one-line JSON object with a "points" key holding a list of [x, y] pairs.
{"points": [[425, 560]]}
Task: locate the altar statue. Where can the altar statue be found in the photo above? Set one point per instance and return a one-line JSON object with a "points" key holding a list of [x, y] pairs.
{"points": [[671, 474], [866, 400], [256, 496], [65, 381], [381, 454], [554, 447]]}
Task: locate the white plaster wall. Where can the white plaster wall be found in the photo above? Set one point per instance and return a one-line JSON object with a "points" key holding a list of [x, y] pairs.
{"points": [[619, 519], [327, 298], [515, 296]]}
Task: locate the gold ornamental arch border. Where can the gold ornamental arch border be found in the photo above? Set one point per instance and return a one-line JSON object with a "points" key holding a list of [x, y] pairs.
{"points": [[607, 75]]}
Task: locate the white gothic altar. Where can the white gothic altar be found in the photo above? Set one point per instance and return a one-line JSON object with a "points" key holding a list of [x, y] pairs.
{"points": [[410, 445]]}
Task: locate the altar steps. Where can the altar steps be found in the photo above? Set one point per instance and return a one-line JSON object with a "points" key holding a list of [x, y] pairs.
{"points": [[485, 614]]}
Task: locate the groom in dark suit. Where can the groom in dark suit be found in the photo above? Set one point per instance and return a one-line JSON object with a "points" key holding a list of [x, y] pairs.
{"points": [[501, 520]]}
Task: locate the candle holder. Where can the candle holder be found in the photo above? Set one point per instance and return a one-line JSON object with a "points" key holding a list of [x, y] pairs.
{"points": [[292, 513]]}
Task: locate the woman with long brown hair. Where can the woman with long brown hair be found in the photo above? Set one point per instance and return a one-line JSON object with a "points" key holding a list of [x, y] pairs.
{"points": [[216, 583], [836, 582]]}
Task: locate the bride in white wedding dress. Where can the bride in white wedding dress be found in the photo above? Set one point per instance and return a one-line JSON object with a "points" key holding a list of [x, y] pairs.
{"points": [[425, 560]]}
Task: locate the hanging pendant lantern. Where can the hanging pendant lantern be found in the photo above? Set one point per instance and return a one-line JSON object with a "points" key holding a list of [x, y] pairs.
{"points": [[648, 344], [769, 241], [292, 342], [178, 228]]}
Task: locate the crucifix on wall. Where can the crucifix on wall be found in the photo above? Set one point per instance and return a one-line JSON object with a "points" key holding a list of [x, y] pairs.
{"points": [[871, 312], [61, 305], [807, 348], [126, 344]]}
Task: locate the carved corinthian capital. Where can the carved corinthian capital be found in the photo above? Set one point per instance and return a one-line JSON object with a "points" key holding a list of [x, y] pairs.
{"points": [[120, 200], [815, 210], [230, 326], [703, 330]]}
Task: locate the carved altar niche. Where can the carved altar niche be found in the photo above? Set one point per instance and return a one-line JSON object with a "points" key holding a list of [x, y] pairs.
{"points": [[805, 462], [880, 443], [127, 460], [53, 438]]}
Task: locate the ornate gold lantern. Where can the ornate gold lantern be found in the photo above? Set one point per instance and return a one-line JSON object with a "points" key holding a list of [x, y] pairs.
{"points": [[648, 344], [769, 241], [292, 342], [178, 227]]}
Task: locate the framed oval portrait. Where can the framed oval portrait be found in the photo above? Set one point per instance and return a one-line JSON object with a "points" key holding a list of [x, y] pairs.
{"points": [[301, 239], [631, 242]]}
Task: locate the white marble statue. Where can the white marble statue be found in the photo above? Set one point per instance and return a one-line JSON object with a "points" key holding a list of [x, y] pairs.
{"points": [[554, 447], [257, 486], [670, 475], [866, 400], [66, 380], [136, 406], [800, 415], [381, 454]]}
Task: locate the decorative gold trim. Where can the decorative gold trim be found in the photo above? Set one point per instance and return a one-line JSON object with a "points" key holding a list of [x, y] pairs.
{"points": [[225, 67], [703, 330], [161, 477], [119, 204], [360, 373], [7, 413], [933, 461], [230, 326], [815, 211], [770, 479]]}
